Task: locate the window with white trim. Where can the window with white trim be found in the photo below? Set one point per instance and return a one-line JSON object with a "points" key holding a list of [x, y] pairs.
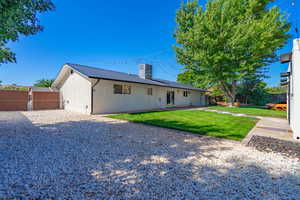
{"points": [[118, 89], [122, 89]]}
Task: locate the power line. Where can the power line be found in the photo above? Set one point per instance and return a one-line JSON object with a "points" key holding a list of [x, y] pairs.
{"points": [[158, 63], [157, 53]]}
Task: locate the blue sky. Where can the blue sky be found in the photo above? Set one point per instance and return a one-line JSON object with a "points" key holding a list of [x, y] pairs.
{"points": [[115, 34]]}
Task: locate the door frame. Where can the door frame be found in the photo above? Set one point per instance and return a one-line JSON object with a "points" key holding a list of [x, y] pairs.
{"points": [[170, 100]]}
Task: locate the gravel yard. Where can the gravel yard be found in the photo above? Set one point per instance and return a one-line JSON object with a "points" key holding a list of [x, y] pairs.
{"points": [[62, 155]]}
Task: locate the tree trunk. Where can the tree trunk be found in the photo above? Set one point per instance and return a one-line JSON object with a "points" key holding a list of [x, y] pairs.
{"points": [[230, 92], [231, 99]]}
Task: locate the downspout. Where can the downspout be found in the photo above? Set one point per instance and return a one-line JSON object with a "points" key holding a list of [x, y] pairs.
{"points": [[92, 96], [289, 93]]}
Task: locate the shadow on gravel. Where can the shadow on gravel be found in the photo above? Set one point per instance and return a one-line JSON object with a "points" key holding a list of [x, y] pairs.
{"points": [[93, 159], [13, 122]]}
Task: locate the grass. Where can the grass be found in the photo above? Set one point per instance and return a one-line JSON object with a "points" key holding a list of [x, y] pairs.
{"points": [[195, 121], [252, 110]]}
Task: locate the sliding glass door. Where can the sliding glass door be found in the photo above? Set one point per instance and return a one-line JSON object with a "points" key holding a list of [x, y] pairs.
{"points": [[170, 97]]}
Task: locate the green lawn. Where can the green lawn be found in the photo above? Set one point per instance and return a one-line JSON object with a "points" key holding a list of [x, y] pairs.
{"points": [[196, 121], [252, 110]]}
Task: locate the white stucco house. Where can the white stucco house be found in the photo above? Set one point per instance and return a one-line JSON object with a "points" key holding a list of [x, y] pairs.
{"points": [[93, 90], [293, 81]]}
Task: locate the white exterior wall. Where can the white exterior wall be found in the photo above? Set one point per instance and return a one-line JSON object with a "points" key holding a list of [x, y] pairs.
{"points": [[295, 90], [105, 101], [75, 94], [198, 99]]}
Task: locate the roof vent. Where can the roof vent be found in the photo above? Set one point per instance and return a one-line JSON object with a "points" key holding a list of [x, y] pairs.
{"points": [[145, 71]]}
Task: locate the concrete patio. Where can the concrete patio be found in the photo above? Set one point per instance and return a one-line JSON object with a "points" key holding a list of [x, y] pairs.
{"points": [[272, 127]]}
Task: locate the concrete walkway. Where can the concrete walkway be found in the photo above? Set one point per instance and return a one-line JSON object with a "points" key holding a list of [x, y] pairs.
{"points": [[277, 128], [271, 127], [225, 112]]}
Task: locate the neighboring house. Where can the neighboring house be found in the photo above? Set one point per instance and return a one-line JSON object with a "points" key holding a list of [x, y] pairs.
{"points": [[94, 91], [292, 80]]}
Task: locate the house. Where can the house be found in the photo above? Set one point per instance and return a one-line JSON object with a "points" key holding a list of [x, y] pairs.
{"points": [[291, 79], [95, 91]]}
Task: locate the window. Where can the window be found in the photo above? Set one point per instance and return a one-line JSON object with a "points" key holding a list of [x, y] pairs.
{"points": [[118, 89], [126, 89], [185, 93], [149, 91], [122, 89]]}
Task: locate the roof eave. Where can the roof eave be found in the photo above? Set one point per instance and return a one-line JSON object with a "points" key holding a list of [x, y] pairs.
{"points": [[111, 79]]}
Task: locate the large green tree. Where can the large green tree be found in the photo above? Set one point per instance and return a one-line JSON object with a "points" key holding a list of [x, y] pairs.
{"points": [[19, 17], [253, 90], [228, 40], [188, 77], [44, 83], [277, 90]]}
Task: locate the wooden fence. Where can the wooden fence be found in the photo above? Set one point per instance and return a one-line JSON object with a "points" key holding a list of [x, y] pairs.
{"points": [[11, 100], [45, 100], [279, 98]]}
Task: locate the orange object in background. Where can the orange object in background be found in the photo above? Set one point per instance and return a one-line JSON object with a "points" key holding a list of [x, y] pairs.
{"points": [[282, 107], [223, 103]]}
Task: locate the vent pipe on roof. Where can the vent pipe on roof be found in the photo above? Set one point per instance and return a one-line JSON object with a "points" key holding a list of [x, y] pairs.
{"points": [[145, 71]]}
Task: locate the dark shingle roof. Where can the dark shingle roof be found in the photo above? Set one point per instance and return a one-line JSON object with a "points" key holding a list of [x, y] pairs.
{"points": [[93, 72]]}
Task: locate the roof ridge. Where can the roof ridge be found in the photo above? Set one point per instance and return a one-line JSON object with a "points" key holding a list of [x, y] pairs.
{"points": [[99, 68]]}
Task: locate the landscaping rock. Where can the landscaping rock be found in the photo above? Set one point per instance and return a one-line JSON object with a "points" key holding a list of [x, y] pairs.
{"points": [[268, 144], [62, 155]]}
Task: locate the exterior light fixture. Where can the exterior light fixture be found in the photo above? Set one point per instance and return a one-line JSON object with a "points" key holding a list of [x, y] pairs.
{"points": [[286, 74], [285, 58]]}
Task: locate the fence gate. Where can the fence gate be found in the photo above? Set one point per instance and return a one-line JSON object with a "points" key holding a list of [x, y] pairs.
{"points": [[45, 100], [11, 100]]}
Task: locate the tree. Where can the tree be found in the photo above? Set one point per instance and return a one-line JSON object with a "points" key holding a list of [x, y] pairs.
{"points": [[252, 90], [277, 90], [44, 83], [228, 40], [188, 77], [19, 17], [14, 87]]}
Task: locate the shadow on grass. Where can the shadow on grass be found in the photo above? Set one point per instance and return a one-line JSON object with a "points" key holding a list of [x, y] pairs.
{"points": [[209, 124], [198, 129]]}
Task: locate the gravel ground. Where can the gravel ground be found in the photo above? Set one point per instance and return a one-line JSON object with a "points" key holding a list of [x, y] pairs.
{"points": [[61, 155], [269, 144]]}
